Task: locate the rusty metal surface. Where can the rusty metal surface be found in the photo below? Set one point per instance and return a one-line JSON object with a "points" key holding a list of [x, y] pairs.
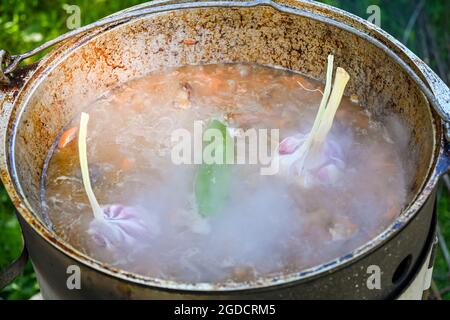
{"points": [[298, 37]]}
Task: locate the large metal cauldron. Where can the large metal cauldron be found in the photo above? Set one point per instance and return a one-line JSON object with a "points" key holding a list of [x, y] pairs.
{"points": [[297, 35]]}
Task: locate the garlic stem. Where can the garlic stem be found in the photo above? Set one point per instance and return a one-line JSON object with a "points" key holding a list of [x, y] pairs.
{"points": [[340, 81], [82, 150], [326, 95], [303, 151], [323, 122]]}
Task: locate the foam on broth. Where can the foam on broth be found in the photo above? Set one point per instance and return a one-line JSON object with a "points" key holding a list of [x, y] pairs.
{"points": [[269, 225]]}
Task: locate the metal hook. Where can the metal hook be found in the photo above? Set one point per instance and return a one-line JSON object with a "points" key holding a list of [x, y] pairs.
{"points": [[9, 63]]}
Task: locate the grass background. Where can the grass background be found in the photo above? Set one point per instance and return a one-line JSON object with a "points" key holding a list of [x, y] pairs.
{"points": [[24, 24]]}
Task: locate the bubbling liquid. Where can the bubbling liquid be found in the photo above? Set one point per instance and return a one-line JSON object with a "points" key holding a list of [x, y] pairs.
{"points": [[269, 225]]}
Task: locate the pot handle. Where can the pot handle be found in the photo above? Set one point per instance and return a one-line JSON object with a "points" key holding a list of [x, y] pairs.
{"points": [[441, 93], [12, 271], [9, 63]]}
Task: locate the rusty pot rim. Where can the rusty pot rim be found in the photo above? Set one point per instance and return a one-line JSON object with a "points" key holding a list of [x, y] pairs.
{"points": [[315, 11]]}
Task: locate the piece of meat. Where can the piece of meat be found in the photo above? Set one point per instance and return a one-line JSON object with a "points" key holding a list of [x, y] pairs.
{"points": [[183, 97], [343, 229]]}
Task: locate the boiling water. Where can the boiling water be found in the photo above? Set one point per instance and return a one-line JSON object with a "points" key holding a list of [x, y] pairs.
{"points": [[269, 224]]}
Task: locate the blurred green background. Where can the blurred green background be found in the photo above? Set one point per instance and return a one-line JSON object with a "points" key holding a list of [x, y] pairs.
{"points": [[422, 25]]}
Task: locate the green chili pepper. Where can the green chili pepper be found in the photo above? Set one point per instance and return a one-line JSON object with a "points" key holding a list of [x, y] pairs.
{"points": [[212, 181]]}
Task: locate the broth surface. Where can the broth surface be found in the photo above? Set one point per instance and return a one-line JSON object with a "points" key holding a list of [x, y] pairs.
{"points": [[269, 224]]}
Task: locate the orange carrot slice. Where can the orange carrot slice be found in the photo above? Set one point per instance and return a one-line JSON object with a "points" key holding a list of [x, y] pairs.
{"points": [[127, 164], [216, 84], [189, 42], [67, 137]]}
